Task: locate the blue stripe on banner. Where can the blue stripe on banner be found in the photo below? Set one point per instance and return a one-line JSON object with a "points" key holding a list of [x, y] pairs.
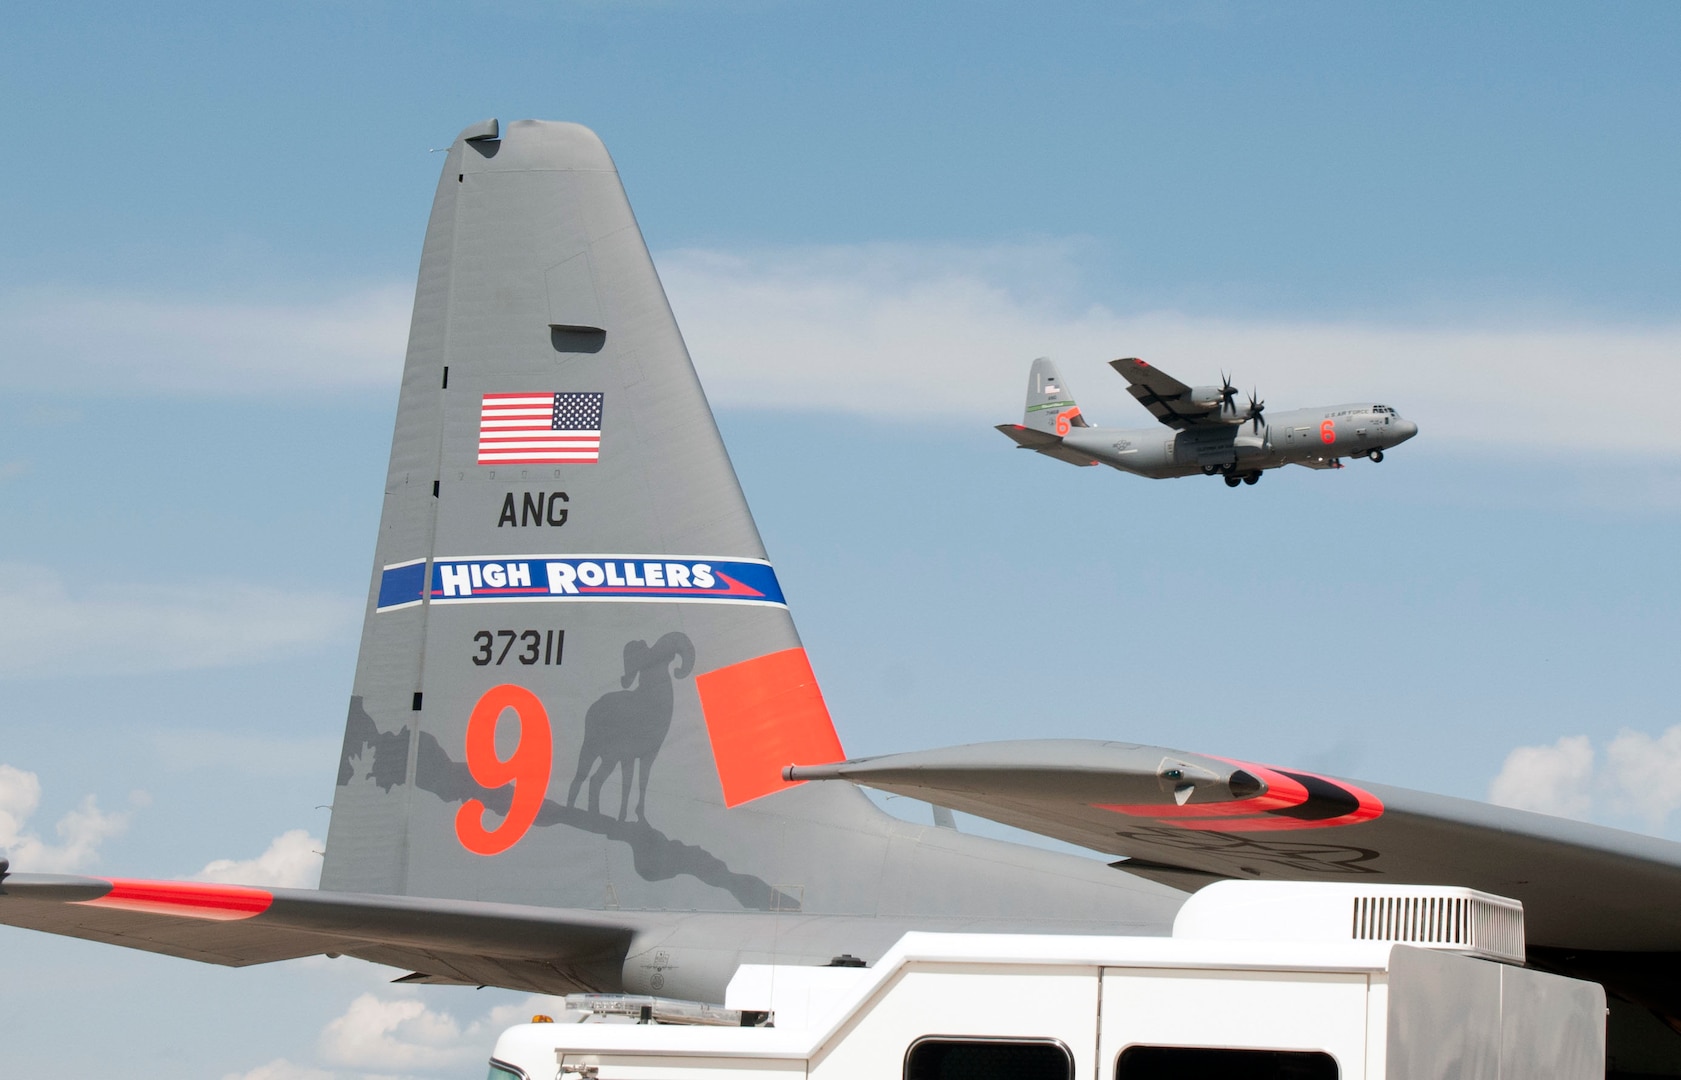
{"points": [[401, 585], [600, 577]]}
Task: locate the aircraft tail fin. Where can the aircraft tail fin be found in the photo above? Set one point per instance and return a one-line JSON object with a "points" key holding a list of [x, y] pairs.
{"points": [[578, 681], [1050, 406]]}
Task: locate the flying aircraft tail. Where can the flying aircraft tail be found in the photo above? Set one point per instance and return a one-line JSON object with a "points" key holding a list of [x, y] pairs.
{"points": [[1049, 416], [1050, 406]]}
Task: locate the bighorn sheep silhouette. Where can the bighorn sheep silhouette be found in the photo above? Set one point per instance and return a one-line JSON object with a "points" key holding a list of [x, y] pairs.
{"points": [[626, 728]]}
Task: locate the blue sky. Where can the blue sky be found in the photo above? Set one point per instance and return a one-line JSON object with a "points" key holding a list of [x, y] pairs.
{"points": [[213, 221]]}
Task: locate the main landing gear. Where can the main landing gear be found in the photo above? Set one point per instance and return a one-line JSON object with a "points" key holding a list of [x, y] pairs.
{"points": [[1234, 479]]}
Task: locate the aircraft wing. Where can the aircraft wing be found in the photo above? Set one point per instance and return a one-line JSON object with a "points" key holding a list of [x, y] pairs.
{"points": [[1599, 903], [543, 950], [1168, 399]]}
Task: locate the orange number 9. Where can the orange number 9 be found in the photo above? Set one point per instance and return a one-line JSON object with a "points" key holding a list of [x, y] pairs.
{"points": [[527, 768], [1328, 431]]}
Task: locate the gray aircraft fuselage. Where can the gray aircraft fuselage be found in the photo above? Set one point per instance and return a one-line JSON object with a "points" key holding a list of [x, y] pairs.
{"points": [[1313, 437]]}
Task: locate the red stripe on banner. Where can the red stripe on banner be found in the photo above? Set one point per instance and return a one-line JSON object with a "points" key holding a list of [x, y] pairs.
{"points": [[188, 900], [734, 588]]}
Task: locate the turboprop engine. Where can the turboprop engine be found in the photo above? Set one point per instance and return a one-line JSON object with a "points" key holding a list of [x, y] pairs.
{"points": [[1222, 398], [1208, 397]]}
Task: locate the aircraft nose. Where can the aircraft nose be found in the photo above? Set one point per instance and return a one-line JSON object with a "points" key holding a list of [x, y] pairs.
{"points": [[1404, 430]]}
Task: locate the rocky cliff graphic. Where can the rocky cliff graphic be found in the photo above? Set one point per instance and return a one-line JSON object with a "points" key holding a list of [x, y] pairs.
{"points": [[623, 731]]}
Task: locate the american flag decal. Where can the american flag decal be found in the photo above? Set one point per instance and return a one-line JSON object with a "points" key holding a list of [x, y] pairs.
{"points": [[538, 429]]}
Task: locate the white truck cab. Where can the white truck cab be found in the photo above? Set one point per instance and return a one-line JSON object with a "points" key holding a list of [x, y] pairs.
{"points": [[1260, 981]]}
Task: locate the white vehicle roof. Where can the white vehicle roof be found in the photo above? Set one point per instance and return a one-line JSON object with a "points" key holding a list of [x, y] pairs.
{"points": [[811, 1004]]}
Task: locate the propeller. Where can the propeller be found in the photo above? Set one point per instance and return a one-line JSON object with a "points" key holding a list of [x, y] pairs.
{"points": [[1228, 393], [1256, 408]]}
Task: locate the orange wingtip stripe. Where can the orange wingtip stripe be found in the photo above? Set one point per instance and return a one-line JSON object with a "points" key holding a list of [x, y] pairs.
{"points": [[763, 715], [1288, 804], [185, 899], [1281, 794]]}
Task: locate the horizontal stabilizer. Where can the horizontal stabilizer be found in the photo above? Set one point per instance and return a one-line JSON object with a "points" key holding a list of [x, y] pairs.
{"points": [[1045, 443], [544, 950], [1029, 438]]}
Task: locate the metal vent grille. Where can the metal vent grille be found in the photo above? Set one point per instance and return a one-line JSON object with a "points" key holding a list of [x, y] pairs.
{"points": [[1468, 922]]}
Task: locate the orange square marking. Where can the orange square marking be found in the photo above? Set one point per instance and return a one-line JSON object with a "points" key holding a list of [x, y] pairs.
{"points": [[762, 715]]}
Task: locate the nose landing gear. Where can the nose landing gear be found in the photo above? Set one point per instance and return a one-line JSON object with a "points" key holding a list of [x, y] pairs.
{"points": [[1376, 456]]}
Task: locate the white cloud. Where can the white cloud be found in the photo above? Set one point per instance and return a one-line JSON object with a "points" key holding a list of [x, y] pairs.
{"points": [[1645, 774], [124, 342], [1639, 779], [80, 831], [290, 862], [483, 1031], [1554, 779], [396, 1034], [381, 1037], [402, 1035], [390, 1033], [907, 332], [140, 628], [281, 1069]]}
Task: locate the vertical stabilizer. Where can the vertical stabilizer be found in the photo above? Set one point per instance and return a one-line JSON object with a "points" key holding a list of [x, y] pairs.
{"points": [[1050, 406], [578, 681]]}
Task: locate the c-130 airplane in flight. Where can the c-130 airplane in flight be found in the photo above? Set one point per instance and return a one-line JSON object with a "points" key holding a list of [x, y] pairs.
{"points": [[1210, 434]]}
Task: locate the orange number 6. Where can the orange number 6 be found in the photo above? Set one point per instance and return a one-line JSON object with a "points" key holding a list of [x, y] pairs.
{"points": [[527, 768], [1063, 418], [1328, 431]]}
